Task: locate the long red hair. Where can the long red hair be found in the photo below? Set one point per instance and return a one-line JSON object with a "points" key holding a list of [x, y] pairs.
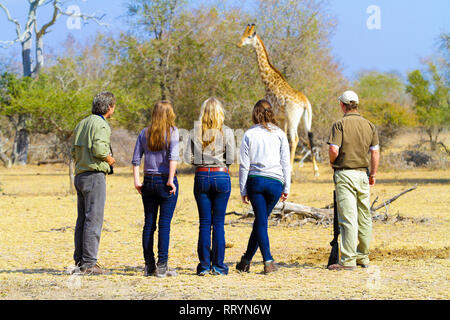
{"points": [[163, 120]]}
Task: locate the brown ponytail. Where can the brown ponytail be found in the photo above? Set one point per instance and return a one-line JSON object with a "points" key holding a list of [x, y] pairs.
{"points": [[263, 114]]}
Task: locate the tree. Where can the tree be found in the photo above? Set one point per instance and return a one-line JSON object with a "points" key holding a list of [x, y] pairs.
{"points": [[60, 97], [201, 59], [24, 36], [157, 19], [204, 61], [385, 103], [430, 92]]}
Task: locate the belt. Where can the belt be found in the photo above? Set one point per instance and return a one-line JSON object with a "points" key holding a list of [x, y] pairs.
{"points": [[156, 175], [211, 169], [345, 169]]}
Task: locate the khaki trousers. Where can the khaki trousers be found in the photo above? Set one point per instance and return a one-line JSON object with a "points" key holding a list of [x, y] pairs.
{"points": [[355, 220]]}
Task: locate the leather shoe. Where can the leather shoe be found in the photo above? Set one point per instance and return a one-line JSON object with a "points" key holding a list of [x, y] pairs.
{"points": [[270, 267], [97, 269], [338, 266], [363, 265]]}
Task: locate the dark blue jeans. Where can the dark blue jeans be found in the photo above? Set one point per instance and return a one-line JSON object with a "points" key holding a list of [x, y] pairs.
{"points": [[212, 191], [263, 194], [155, 195]]}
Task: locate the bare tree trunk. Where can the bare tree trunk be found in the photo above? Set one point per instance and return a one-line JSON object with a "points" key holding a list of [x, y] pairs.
{"points": [[4, 158], [21, 141], [39, 55], [22, 138]]}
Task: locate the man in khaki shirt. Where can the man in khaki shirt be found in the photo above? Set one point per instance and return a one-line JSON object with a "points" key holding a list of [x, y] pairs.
{"points": [[351, 141]]}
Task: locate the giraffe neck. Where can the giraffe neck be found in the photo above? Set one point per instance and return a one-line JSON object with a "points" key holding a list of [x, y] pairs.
{"points": [[270, 76]]}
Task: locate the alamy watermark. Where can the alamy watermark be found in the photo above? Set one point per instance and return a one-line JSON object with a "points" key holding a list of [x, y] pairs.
{"points": [[373, 281], [74, 20], [374, 20]]}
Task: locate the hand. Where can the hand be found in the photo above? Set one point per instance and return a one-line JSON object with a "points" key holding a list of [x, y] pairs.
{"points": [[138, 187], [245, 199], [372, 181], [172, 185], [284, 196], [110, 160]]}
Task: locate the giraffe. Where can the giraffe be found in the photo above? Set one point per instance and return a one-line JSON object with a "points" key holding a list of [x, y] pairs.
{"points": [[290, 106]]}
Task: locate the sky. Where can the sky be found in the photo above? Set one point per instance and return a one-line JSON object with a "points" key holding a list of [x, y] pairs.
{"points": [[382, 35]]}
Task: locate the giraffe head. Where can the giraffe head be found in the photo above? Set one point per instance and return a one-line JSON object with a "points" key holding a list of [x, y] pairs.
{"points": [[249, 36]]}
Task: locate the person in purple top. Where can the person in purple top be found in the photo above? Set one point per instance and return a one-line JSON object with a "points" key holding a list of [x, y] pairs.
{"points": [[160, 144]]}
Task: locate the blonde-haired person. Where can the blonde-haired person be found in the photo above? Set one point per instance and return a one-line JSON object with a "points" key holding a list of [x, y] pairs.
{"points": [[160, 144], [211, 150], [264, 178]]}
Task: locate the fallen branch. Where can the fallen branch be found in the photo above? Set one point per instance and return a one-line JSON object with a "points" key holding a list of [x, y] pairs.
{"points": [[283, 210], [50, 161], [385, 203], [288, 208]]}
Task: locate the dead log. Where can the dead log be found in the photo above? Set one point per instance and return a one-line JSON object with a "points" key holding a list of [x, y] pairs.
{"points": [[322, 215], [289, 208], [52, 161]]}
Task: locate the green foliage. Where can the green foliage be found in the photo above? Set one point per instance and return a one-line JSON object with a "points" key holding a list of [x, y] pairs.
{"points": [[430, 93], [384, 102], [381, 87], [185, 54], [60, 97], [52, 108], [193, 55]]}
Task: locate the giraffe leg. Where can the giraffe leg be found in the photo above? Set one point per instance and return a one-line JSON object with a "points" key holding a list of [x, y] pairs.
{"points": [[313, 156], [293, 140], [293, 120], [294, 144], [307, 121]]}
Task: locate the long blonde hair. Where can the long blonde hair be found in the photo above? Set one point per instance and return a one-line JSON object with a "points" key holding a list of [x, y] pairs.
{"points": [[212, 117], [163, 120]]}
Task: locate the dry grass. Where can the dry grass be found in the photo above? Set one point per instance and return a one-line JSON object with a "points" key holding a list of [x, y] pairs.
{"points": [[410, 260]]}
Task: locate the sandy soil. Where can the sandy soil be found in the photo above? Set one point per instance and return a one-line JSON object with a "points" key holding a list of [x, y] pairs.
{"points": [[409, 257]]}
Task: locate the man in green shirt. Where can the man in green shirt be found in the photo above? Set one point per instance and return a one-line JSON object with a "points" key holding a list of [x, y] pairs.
{"points": [[91, 151], [351, 141]]}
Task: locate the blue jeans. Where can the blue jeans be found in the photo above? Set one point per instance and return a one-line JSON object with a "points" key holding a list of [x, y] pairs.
{"points": [[263, 194], [155, 195], [212, 191]]}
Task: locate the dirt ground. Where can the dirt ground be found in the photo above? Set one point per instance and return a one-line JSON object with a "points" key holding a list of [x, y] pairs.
{"points": [[409, 254]]}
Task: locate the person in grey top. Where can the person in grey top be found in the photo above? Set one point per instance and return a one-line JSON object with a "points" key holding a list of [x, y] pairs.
{"points": [[264, 178], [222, 155], [211, 149]]}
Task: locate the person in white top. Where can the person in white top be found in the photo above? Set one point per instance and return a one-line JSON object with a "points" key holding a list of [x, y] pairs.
{"points": [[264, 179]]}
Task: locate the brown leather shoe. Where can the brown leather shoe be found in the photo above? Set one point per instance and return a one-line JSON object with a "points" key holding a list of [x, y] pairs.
{"points": [[338, 266], [270, 266], [94, 270]]}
